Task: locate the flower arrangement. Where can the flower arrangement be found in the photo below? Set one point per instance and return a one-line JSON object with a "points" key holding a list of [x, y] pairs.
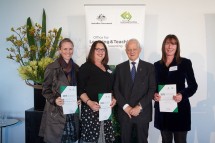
{"points": [[33, 49]]}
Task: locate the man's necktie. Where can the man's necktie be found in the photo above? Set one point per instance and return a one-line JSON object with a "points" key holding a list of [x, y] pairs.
{"points": [[133, 70]]}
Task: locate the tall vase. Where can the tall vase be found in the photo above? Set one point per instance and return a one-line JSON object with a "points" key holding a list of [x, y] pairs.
{"points": [[39, 100]]}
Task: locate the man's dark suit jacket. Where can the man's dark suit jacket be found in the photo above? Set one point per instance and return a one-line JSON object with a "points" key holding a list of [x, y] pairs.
{"points": [[141, 91]]}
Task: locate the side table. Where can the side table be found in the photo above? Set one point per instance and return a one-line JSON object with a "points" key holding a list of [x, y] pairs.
{"points": [[32, 126], [8, 122]]}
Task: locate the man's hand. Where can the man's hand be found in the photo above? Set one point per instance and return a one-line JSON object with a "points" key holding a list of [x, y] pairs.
{"points": [[128, 110], [136, 110]]}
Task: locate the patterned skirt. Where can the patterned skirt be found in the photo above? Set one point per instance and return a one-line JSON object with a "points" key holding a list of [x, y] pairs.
{"points": [[71, 131], [92, 130]]}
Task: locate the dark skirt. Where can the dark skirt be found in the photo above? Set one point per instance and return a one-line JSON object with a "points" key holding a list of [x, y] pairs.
{"points": [[71, 129]]}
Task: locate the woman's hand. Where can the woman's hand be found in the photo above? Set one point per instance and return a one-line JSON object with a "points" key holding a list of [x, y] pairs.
{"points": [[59, 101], [113, 102], [157, 97], [93, 105], [79, 102], [177, 97]]}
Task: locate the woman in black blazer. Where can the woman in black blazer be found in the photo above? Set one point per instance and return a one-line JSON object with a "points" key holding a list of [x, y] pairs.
{"points": [[173, 69]]}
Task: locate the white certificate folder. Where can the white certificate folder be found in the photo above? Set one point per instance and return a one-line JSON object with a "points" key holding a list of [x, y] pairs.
{"points": [[105, 110], [167, 104], [69, 95]]}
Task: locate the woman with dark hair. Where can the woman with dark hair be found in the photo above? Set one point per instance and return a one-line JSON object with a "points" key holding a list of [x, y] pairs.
{"points": [[173, 69], [57, 127], [95, 77]]}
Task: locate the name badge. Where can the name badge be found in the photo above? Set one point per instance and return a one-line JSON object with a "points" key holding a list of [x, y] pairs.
{"points": [[109, 71], [173, 68]]}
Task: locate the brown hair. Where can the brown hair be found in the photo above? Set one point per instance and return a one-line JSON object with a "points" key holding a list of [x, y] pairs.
{"points": [[174, 40], [64, 41], [90, 57]]}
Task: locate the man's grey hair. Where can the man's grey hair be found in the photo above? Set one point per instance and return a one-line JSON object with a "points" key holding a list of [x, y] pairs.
{"points": [[132, 40]]}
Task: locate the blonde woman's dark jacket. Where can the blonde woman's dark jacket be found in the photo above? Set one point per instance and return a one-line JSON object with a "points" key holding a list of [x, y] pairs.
{"points": [[53, 120]]}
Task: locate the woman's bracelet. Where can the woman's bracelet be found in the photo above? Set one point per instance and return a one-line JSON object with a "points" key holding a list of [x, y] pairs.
{"points": [[87, 100]]}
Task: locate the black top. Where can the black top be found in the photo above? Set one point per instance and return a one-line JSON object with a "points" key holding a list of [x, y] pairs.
{"points": [[183, 72], [92, 80]]}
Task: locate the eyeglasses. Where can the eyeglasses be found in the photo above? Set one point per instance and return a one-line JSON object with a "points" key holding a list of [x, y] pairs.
{"points": [[99, 50]]}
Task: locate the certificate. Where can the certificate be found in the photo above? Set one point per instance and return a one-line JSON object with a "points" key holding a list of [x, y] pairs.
{"points": [[167, 104], [105, 110], [69, 95]]}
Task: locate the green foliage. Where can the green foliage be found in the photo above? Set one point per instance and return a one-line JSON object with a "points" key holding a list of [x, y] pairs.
{"points": [[115, 122], [53, 50], [43, 34], [30, 36], [33, 48]]}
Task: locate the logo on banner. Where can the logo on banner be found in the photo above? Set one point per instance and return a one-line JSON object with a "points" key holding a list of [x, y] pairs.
{"points": [[101, 19], [127, 16]]}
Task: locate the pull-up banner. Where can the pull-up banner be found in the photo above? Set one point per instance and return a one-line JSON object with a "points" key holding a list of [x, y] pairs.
{"points": [[114, 25]]}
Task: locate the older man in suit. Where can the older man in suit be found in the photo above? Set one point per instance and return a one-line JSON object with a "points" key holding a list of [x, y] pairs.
{"points": [[134, 88]]}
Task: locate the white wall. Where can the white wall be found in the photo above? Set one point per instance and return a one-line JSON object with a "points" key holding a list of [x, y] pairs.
{"points": [[192, 21]]}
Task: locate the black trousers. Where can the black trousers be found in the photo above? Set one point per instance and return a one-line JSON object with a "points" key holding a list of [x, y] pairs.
{"points": [[134, 130], [179, 137]]}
